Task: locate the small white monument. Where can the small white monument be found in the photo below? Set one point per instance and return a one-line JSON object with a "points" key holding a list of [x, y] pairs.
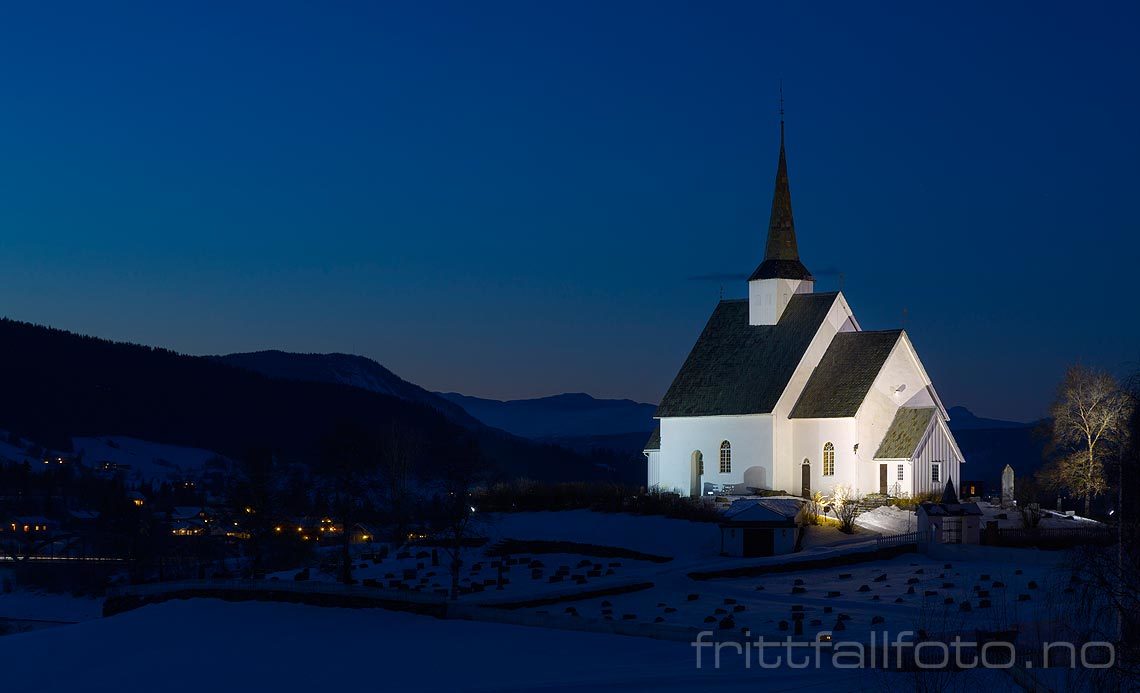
{"points": [[1007, 487]]}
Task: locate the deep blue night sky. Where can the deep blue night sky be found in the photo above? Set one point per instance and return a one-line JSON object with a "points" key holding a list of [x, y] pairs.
{"points": [[513, 199]]}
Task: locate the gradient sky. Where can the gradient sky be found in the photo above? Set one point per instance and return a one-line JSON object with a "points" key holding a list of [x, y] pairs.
{"points": [[516, 199]]}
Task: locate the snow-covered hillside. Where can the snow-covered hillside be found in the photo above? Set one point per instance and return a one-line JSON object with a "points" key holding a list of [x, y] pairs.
{"points": [[145, 461]]}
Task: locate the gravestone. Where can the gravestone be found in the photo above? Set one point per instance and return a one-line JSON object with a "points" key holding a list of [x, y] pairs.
{"points": [[1007, 487]]}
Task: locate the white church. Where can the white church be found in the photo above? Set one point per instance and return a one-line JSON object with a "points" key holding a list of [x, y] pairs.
{"points": [[784, 391]]}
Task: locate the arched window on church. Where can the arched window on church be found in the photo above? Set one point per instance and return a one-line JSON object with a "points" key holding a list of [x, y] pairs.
{"points": [[725, 458], [828, 459]]}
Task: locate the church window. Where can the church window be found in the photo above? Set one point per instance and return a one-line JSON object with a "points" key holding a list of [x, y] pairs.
{"points": [[901, 472], [700, 463], [829, 460], [725, 458], [936, 473]]}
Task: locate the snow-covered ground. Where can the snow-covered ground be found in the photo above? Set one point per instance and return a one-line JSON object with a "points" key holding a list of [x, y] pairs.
{"points": [[644, 533], [891, 520], [896, 593], [21, 604], [17, 453], [247, 645], [209, 645], [147, 461], [904, 593], [887, 519], [1010, 518]]}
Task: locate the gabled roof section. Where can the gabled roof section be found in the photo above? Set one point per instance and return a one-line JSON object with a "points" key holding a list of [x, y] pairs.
{"points": [[906, 432], [738, 368], [839, 384], [654, 442]]}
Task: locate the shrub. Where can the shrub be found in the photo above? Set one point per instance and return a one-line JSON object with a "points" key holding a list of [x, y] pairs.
{"points": [[845, 505]]}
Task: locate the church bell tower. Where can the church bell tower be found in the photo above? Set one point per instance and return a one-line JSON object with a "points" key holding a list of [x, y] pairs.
{"points": [[781, 274]]}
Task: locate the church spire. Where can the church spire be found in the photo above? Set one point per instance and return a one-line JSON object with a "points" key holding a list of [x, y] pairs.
{"points": [[781, 254]]}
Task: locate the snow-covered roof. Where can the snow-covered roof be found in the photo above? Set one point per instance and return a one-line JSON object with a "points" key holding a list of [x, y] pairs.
{"points": [[952, 509], [776, 510]]}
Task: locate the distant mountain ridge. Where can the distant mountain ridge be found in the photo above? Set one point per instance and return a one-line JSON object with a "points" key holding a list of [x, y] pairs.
{"points": [[344, 369], [962, 419], [990, 444], [64, 386], [570, 415]]}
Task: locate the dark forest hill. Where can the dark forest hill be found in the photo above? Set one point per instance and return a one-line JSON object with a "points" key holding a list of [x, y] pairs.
{"points": [[58, 384], [989, 444], [570, 415], [345, 369]]}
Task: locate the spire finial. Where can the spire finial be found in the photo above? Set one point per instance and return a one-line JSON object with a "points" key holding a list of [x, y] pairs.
{"points": [[781, 112], [781, 252]]}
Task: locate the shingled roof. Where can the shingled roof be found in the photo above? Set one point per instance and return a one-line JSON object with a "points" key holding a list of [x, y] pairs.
{"points": [[654, 442], [738, 368], [905, 433], [840, 382]]}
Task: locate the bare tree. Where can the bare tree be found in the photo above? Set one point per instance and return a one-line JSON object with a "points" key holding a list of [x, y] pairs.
{"points": [[401, 449], [454, 516], [349, 470], [1028, 503], [1090, 420], [845, 505]]}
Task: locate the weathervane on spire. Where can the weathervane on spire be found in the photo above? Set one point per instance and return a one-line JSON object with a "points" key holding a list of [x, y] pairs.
{"points": [[781, 112]]}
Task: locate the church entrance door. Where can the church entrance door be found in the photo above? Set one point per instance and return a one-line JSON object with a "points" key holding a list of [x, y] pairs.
{"points": [[805, 479], [883, 479]]}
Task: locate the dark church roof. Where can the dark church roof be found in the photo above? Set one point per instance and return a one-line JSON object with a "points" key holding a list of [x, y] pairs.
{"points": [[781, 254], [738, 368], [840, 382], [905, 433], [654, 442]]}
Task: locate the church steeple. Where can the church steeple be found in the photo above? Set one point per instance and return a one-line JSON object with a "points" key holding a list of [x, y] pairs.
{"points": [[781, 275], [781, 254]]}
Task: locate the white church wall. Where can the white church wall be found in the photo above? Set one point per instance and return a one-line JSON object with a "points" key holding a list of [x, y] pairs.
{"points": [[767, 298], [751, 440], [788, 460], [936, 448], [653, 475], [901, 370], [884, 398], [809, 436]]}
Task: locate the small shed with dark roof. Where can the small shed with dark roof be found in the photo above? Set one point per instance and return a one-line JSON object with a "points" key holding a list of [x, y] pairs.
{"points": [[761, 527], [949, 521]]}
